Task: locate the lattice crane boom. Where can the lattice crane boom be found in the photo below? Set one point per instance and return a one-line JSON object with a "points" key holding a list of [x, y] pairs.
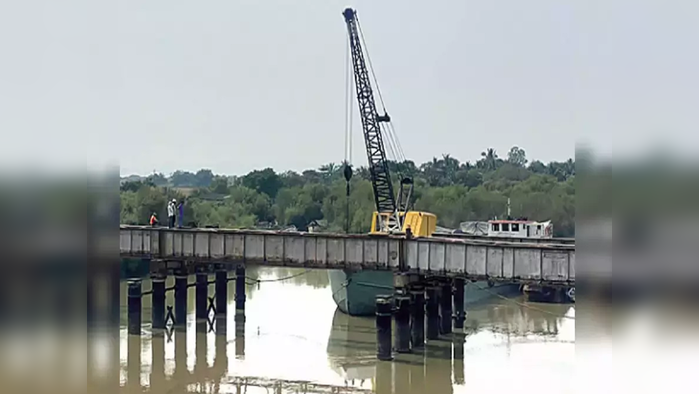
{"points": [[376, 152]]}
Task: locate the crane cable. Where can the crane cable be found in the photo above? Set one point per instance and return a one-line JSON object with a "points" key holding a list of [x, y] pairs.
{"points": [[388, 130], [348, 105]]}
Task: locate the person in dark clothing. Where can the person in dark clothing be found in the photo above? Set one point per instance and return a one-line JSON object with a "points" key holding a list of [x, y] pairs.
{"points": [[180, 214]]}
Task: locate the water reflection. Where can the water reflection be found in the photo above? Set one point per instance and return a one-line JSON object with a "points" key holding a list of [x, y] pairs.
{"points": [[293, 340]]}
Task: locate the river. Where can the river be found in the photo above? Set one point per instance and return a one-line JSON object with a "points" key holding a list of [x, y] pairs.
{"points": [[294, 340]]}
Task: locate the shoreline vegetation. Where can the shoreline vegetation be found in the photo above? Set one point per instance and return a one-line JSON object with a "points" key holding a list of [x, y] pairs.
{"points": [[455, 191]]}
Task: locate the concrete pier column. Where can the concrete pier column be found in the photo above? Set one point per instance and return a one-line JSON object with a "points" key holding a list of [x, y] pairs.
{"points": [[158, 297], [445, 309], [383, 328], [417, 317], [221, 287], [240, 290], [459, 315], [201, 292], [134, 307], [402, 324], [432, 309], [180, 300]]}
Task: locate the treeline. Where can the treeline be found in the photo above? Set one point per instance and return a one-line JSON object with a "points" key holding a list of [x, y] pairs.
{"points": [[455, 191]]}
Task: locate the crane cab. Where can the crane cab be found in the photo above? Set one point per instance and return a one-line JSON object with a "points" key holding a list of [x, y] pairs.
{"points": [[421, 224]]}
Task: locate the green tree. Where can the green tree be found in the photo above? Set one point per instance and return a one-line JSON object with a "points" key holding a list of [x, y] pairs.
{"points": [[517, 157], [455, 191], [263, 181]]}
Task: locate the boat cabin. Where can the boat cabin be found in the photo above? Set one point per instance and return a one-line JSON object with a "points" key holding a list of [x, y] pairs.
{"points": [[520, 229]]}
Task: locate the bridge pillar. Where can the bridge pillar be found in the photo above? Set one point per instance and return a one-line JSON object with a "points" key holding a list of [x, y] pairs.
{"points": [[383, 328], [445, 308], [240, 293], [221, 290], [202, 291], [158, 297], [417, 316], [459, 315], [180, 299], [134, 307], [432, 309], [402, 317]]}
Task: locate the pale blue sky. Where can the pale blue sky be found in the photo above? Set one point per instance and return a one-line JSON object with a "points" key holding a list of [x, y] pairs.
{"points": [[238, 85]]}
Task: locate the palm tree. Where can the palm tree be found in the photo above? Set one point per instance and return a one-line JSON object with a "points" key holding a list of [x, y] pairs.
{"points": [[489, 160], [329, 170], [450, 166]]}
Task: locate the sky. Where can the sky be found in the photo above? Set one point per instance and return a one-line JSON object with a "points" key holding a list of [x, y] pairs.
{"points": [[240, 85]]}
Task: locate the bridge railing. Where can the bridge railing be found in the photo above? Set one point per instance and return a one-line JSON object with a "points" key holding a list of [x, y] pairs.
{"points": [[474, 259]]}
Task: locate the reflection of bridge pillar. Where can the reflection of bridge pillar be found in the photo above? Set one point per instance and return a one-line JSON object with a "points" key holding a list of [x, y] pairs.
{"points": [[240, 336], [180, 353], [417, 377], [459, 313], [401, 377], [133, 364], [157, 375], [445, 297], [384, 380], [201, 293], [432, 309], [221, 357], [158, 299], [180, 298], [438, 368], [458, 359], [417, 317], [200, 349]]}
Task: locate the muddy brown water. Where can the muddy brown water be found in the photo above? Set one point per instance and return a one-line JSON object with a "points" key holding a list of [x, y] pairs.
{"points": [[295, 341]]}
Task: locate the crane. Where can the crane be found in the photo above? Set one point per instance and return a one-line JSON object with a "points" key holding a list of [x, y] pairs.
{"points": [[392, 214]]}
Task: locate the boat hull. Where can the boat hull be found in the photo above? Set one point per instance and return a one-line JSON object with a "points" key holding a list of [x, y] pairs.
{"points": [[355, 292], [545, 294], [134, 268]]}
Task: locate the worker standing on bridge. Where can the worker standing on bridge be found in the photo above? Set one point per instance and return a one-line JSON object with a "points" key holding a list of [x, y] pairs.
{"points": [[171, 213], [153, 220], [180, 214]]}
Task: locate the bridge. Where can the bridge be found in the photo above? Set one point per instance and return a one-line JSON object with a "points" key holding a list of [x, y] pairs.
{"points": [[522, 262]]}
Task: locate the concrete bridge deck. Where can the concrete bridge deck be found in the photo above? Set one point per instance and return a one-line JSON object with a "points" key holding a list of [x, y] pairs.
{"points": [[472, 259]]}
